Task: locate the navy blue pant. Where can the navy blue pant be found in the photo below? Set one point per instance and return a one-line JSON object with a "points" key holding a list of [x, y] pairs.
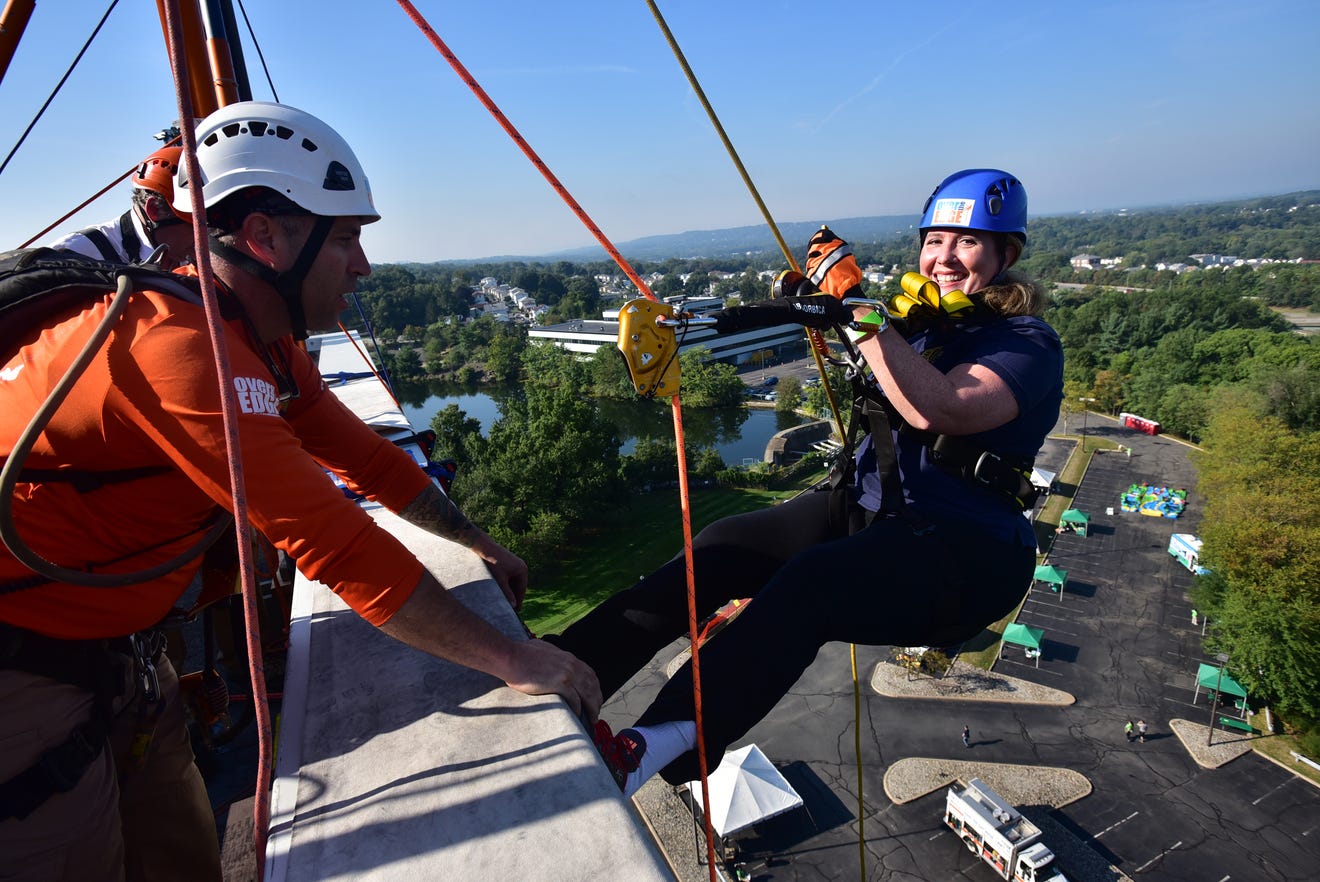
{"points": [[889, 583]]}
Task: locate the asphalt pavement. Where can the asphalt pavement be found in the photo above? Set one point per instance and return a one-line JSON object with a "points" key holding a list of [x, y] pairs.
{"points": [[1120, 640]]}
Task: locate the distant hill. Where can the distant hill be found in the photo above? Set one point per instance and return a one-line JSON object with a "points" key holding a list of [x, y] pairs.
{"points": [[733, 241], [751, 239], [1203, 226]]}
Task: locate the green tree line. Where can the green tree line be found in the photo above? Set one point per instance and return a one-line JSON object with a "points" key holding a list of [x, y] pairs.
{"points": [[550, 463]]}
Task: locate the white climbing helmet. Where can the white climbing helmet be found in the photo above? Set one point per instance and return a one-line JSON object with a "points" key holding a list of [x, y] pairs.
{"points": [[280, 148]]}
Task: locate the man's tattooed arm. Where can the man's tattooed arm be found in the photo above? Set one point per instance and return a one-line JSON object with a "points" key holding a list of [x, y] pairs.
{"points": [[434, 511]]}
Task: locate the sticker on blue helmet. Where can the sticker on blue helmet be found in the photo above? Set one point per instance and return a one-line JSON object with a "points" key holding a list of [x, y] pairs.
{"points": [[952, 213]]}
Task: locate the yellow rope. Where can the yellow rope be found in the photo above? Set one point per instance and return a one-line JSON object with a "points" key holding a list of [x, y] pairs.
{"points": [[816, 341], [817, 345]]}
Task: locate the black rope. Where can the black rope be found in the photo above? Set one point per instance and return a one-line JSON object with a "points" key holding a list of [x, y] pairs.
{"points": [[58, 86], [260, 54]]}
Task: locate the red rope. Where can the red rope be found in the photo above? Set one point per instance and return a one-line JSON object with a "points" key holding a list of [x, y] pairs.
{"points": [[229, 411], [627, 269], [89, 200], [375, 372], [523, 145]]}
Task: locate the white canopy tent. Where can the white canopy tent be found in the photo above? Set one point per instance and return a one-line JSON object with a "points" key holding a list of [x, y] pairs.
{"points": [[745, 790], [1042, 479]]}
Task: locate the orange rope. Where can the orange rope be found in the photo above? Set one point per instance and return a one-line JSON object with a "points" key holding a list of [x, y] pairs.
{"points": [[371, 364], [820, 350], [627, 269], [229, 411]]}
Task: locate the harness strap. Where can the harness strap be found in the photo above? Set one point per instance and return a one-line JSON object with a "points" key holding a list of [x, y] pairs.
{"points": [[128, 233], [90, 665], [881, 418], [1005, 475], [1008, 476], [86, 481], [102, 243]]}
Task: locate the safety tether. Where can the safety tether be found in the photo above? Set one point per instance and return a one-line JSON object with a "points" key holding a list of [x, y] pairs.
{"points": [[636, 279], [229, 413], [819, 351]]}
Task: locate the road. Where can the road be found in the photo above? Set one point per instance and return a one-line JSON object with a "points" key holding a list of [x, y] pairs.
{"points": [[1120, 640]]}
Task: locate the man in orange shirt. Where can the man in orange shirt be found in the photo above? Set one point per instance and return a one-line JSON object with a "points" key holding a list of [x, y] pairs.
{"points": [[286, 200]]}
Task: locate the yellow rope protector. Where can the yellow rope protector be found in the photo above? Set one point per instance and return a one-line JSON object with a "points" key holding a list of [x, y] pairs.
{"points": [[920, 292], [649, 349]]}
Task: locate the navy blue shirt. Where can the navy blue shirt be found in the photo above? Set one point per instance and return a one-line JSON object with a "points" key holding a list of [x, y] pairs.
{"points": [[1026, 354]]}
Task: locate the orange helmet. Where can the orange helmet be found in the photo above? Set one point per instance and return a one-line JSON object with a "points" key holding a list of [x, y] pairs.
{"points": [[156, 173]]}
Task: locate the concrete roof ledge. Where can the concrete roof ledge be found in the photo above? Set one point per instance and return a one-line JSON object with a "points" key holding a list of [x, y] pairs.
{"points": [[393, 764]]}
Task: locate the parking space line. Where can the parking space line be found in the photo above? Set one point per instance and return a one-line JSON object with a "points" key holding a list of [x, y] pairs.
{"points": [[1032, 667], [1115, 824], [1272, 792], [1161, 855], [1055, 632]]}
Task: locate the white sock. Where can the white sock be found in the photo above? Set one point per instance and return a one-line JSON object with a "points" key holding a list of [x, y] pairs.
{"points": [[665, 742]]}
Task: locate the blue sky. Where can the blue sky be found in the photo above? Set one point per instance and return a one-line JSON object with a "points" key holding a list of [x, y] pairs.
{"points": [[857, 108]]}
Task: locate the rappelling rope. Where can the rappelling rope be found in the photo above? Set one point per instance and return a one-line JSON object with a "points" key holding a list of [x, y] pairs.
{"points": [[819, 351], [632, 274], [229, 411], [371, 364]]}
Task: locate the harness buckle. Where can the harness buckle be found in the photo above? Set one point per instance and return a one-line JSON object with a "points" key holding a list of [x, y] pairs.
{"points": [[145, 649], [984, 459]]}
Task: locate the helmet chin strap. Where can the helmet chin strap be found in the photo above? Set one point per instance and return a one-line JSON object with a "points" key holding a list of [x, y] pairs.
{"points": [[288, 283]]}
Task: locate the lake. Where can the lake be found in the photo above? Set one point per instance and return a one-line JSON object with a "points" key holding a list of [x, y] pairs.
{"points": [[737, 433]]}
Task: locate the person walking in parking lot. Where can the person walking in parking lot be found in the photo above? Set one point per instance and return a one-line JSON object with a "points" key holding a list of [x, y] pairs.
{"points": [[967, 736], [1127, 731], [1141, 731]]}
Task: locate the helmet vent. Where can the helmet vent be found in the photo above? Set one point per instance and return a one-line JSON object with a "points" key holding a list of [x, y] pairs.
{"points": [[257, 127], [309, 146], [337, 177]]}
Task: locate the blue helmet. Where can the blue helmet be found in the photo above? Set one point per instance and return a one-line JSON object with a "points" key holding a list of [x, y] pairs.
{"points": [[978, 199]]}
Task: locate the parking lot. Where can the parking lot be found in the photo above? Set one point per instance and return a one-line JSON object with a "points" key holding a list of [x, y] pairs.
{"points": [[1120, 639]]}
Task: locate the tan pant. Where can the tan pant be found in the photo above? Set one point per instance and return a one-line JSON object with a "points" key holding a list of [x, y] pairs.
{"points": [[148, 823]]}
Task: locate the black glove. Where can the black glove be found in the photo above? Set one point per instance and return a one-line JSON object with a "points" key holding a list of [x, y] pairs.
{"points": [[818, 311]]}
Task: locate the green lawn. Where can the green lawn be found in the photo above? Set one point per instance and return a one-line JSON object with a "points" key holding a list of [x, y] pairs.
{"points": [[609, 558]]}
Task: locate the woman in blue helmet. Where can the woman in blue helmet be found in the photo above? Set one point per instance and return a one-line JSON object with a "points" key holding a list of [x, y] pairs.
{"points": [[935, 546]]}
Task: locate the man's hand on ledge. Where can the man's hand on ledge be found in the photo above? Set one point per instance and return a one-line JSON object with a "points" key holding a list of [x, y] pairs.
{"points": [[435, 622], [542, 669]]}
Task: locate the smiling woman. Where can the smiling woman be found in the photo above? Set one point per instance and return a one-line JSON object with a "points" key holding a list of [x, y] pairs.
{"points": [[923, 541]]}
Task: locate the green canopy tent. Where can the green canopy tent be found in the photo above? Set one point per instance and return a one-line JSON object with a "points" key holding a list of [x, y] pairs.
{"points": [[1074, 521], [1209, 678], [1052, 576], [1025, 636]]}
